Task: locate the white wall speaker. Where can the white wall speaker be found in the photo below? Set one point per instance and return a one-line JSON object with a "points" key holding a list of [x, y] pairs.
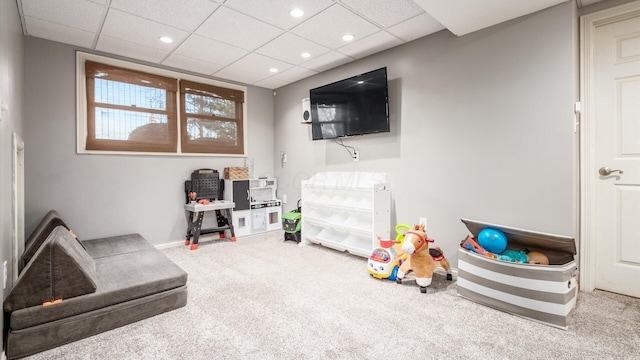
{"points": [[306, 110]]}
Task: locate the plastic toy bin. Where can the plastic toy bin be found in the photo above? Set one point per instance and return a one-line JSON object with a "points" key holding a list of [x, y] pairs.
{"points": [[543, 293]]}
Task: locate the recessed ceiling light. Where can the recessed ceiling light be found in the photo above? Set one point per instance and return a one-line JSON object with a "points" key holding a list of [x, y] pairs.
{"points": [[166, 39], [347, 37], [296, 13], [360, 82], [305, 54], [273, 70]]}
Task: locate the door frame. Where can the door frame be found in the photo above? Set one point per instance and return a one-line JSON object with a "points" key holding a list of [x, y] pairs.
{"points": [[588, 241], [17, 202]]}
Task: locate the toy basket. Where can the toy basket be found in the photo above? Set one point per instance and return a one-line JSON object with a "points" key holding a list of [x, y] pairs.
{"points": [[236, 173]]}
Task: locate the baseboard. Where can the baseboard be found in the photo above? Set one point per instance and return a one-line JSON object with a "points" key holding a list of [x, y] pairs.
{"points": [[214, 236], [454, 272], [202, 239]]}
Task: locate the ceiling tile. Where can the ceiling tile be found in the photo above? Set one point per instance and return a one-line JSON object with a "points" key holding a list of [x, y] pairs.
{"points": [[327, 61], [270, 83], [277, 12], [294, 74], [370, 45], [129, 49], [259, 64], [79, 14], [183, 14], [213, 51], [121, 25], [417, 27], [191, 64], [237, 29], [239, 75], [288, 47], [60, 33], [328, 27], [385, 12]]}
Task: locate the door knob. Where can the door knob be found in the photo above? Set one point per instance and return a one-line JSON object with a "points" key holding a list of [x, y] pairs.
{"points": [[606, 171]]}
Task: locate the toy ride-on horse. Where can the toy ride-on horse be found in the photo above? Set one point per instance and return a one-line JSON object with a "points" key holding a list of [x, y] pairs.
{"points": [[422, 260]]}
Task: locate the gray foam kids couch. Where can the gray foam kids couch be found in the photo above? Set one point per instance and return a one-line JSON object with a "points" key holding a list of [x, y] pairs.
{"points": [[69, 289]]}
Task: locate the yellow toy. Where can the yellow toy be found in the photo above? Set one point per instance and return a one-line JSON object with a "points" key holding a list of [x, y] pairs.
{"points": [[422, 260], [385, 260], [401, 229]]}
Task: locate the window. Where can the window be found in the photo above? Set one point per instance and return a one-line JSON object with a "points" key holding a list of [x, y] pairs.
{"points": [[134, 108], [211, 118], [130, 110]]}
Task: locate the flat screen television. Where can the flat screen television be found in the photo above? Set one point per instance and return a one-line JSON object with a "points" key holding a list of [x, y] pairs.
{"points": [[355, 106]]}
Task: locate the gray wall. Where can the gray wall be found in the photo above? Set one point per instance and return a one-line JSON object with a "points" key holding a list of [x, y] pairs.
{"points": [[104, 195], [11, 78], [481, 127]]}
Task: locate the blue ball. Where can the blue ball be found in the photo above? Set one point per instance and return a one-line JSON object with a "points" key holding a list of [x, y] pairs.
{"points": [[492, 240]]}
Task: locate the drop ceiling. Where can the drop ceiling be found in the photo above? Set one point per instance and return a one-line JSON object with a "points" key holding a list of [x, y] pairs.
{"points": [[257, 42]]}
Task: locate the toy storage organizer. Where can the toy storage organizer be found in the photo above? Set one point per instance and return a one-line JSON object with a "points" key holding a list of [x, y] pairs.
{"points": [[346, 211], [544, 293]]}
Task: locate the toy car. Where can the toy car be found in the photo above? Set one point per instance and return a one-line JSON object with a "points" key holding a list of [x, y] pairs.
{"points": [[383, 262]]}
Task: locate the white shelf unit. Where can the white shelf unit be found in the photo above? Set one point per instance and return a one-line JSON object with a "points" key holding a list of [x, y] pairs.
{"points": [[346, 211]]}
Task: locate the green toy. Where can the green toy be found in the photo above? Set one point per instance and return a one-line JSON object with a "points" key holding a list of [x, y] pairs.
{"points": [[292, 224], [400, 230]]}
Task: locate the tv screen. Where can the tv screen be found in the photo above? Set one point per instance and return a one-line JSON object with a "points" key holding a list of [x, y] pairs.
{"points": [[354, 106]]}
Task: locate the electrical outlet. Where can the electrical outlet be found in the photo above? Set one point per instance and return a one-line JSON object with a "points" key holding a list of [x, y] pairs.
{"points": [[356, 155], [284, 198], [423, 220]]}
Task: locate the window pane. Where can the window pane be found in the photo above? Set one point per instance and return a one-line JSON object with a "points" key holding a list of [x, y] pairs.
{"points": [[119, 93], [211, 106], [208, 130], [114, 124]]}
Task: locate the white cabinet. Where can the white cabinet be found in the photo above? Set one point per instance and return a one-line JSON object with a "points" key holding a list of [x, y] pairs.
{"points": [[257, 209], [241, 222], [346, 211]]}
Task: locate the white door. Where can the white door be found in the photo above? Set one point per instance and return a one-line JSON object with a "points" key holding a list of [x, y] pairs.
{"points": [[616, 167]]}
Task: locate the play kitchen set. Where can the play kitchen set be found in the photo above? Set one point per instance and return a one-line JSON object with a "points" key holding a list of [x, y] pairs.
{"points": [[526, 273], [257, 209]]}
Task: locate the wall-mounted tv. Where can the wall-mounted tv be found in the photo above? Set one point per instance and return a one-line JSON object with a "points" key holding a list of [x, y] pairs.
{"points": [[355, 106]]}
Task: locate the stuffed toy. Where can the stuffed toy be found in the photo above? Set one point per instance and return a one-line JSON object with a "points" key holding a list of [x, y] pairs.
{"points": [[422, 260]]}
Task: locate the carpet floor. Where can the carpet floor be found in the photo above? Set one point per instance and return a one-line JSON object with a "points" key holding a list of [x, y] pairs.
{"points": [[263, 298]]}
